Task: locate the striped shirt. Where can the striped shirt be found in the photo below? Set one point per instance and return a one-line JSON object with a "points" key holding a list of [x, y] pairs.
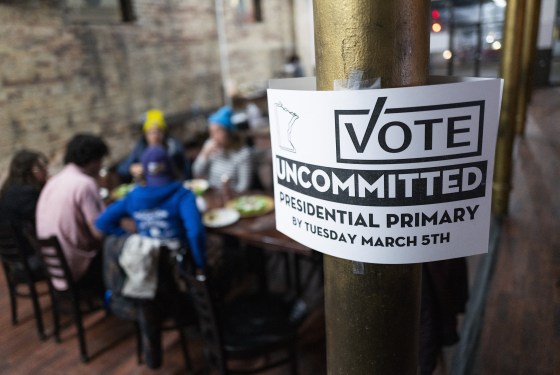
{"points": [[237, 165]]}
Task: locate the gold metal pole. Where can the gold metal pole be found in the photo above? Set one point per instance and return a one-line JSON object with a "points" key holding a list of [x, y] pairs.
{"points": [[372, 316], [510, 72], [531, 27]]}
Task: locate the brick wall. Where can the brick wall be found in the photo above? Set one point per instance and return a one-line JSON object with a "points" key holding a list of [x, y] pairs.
{"points": [[58, 78]]}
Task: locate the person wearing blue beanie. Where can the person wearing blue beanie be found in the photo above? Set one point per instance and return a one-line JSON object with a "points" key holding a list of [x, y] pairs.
{"points": [[222, 117], [224, 158]]}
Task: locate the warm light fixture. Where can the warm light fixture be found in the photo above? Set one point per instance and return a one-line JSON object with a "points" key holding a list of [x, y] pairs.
{"points": [[500, 3]]}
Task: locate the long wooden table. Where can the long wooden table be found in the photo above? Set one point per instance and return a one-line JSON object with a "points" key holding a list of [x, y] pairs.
{"points": [[259, 231]]}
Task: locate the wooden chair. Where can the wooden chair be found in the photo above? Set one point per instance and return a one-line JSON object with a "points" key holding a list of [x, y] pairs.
{"points": [[251, 327], [20, 273], [79, 301]]}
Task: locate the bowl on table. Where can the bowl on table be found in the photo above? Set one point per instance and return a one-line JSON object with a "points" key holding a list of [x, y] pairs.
{"points": [[198, 186]]}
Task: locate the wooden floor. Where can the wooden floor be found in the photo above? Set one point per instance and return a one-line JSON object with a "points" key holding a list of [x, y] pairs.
{"points": [[112, 345], [520, 329], [521, 325]]}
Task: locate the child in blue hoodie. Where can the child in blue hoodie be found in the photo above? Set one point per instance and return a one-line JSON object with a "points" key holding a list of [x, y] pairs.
{"points": [[162, 209]]}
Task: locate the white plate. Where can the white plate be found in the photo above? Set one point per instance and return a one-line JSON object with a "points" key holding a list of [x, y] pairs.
{"points": [[197, 186], [220, 217]]}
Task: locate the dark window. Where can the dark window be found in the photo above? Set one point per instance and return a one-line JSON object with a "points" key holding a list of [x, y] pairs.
{"points": [[258, 10], [247, 11], [99, 11], [127, 11]]}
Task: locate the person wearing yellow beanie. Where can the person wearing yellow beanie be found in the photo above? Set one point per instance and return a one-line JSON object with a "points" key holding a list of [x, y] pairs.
{"points": [[154, 119], [155, 133]]}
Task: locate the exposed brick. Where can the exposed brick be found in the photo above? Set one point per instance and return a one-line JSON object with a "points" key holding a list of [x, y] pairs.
{"points": [[59, 78]]}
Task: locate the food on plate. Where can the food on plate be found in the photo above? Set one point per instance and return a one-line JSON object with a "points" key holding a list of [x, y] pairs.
{"points": [[122, 190], [198, 186], [250, 205], [211, 216]]}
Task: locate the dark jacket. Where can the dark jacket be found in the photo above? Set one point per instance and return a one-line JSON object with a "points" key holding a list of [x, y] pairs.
{"points": [[175, 151]]}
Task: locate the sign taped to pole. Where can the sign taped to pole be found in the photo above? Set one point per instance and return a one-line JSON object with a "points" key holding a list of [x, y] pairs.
{"points": [[394, 176]]}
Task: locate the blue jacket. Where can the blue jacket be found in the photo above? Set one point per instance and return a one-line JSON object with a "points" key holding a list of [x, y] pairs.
{"points": [[165, 212]]}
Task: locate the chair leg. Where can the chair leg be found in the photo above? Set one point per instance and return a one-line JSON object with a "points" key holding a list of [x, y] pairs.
{"points": [[139, 346], [13, 304], [81, 334], [37, 312], [287, 271], [56, 316], [293, 361], [149, 323], [185, 348]]}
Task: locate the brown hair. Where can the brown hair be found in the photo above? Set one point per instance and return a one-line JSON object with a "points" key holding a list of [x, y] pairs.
{"points": [[21, 167]]}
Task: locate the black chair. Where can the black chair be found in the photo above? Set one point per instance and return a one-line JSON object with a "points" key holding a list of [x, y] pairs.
{"points": [[168, 311], [22, 273], [173, 311], [167, 322], [250, 327], [75, 300]]}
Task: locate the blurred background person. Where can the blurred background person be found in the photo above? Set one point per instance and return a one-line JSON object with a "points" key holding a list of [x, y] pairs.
{"points": [[292, 67], [28, 173], [162, 209], [445, 293], [224, 157], [19, 194], [164, 213], [68, 206], [155, 132]]}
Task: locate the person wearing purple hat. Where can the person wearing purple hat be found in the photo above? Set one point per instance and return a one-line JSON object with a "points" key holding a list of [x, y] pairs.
{"points": [[224, 157], [162, 209]]}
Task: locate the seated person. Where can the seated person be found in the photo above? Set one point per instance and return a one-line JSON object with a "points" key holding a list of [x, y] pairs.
{"points": [[155, 133], [445, 293], [28, 173], [68, 206], [162, 209], [224, 158]]}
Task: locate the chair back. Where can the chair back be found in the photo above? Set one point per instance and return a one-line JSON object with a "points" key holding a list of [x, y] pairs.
{"points": [[22, 266], [16, 264], [209, 325], [56, 265], [60, 275]]}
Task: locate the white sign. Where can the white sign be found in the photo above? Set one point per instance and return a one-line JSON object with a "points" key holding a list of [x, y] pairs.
{"points": [[392, 176]]}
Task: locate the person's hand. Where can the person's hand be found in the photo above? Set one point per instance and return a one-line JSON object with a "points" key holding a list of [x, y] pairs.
{"points": [[209, 148], [136, 170], [128, 224]]}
